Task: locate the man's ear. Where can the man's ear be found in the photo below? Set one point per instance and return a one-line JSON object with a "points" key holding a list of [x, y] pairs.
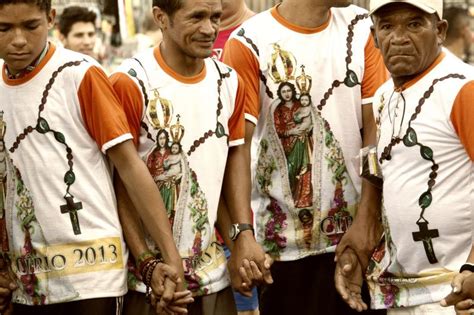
{"points": [[374, 36], [441, 29], [51, 18], [161, 18]]}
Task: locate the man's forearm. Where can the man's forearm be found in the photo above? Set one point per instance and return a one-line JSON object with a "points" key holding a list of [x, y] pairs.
{"points": [[236, 187], [370, 202], [131, 224], [371, 196], [364, 234], [237, 183], [145, 197], [224, 223]]}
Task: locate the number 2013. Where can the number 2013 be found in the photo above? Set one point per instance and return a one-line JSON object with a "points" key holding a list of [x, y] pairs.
{"points": [[90, 256]]}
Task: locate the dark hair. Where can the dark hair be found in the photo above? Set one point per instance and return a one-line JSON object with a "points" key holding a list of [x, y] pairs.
{"points": [[72, 15], [292, 87], [149, 23], [456, 17], [168, 6], [307, 95], [179, 146], [166, 146], [43, 5]]}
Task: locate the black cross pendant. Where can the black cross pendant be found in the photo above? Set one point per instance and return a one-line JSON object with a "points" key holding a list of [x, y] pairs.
{"points": [[425, 235], [72, 207]]}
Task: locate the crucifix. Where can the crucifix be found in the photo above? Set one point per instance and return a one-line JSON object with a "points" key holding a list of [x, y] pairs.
{"points": [[425, 235], [72, 207]]}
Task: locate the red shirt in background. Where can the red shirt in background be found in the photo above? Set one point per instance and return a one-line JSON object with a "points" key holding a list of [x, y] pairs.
{"points": [[222, 37]]}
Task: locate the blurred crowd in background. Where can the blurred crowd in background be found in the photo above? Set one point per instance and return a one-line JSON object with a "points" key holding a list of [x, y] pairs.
{"points": [[112, 30]]}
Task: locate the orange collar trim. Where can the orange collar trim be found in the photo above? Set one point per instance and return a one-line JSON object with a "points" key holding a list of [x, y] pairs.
{"points": [[32, 74], [437, 61], [181, 78], [299, 29]]}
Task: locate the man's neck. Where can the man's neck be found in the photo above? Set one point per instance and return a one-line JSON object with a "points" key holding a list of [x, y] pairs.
{"points": [[181, 64], [237, 17], [304, 13]]}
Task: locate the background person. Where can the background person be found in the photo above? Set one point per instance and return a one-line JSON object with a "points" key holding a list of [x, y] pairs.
{"points": [[77, 30], [459, 36]]}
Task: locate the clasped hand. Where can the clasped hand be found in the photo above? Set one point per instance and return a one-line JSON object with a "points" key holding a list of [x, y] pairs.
{"points": [[248, 265]]}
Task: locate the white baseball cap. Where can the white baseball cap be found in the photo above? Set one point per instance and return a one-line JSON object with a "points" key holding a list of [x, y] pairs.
{"points": [[429, 6]]}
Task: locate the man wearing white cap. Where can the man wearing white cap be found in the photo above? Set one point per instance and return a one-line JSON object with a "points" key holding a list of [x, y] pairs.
{"points": [[425, 145]]}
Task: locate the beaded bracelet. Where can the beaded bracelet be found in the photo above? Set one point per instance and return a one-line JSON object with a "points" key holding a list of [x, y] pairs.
{"points": [[143, 264], [468, 267], [147, 274], [144, 256]]}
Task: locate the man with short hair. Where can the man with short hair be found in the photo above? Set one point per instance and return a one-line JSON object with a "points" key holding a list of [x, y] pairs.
{"points": [[425, 125], [61, 122], [310, 68], [177, 97], [77, 29]]}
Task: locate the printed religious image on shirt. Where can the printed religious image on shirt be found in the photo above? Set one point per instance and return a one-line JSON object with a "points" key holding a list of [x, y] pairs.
{"points": [[185, 202], [297, 144]]}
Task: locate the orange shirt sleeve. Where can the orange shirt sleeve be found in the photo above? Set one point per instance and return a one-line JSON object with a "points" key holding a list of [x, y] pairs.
{"points": [[101, 110], [131, 99], [239, 57], [375, 71], [237, 120], [462, 117]]}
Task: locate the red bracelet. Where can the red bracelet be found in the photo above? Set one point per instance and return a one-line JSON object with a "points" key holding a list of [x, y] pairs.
{"points": [[143, 264]]}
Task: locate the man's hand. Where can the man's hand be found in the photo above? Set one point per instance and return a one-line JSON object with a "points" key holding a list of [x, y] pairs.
{"points": [[348, 279], [168, 290], [462, 296], [248, 264], [177, 306], [362, 237]]}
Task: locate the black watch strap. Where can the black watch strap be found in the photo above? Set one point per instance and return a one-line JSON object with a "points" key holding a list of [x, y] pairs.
{"points": [[240, 227], [468, 267], [246, 227]]}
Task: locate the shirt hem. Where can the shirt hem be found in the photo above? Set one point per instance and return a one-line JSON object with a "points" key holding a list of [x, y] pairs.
{"points": [[112, 143], [251, 118], [88, 296], [428, 298], [367, 101], [237, 142], [328, 250]]}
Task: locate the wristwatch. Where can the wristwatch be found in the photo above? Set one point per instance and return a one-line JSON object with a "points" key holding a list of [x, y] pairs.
{"points": [[235, 230]]}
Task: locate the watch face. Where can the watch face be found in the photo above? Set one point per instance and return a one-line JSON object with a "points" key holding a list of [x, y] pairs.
{"points": [[233, 232]]}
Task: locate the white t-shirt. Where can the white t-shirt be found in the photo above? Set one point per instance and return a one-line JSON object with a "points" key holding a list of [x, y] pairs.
{"points": [[305, 90], [184, 127], [432, 167], [64, 238]]}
